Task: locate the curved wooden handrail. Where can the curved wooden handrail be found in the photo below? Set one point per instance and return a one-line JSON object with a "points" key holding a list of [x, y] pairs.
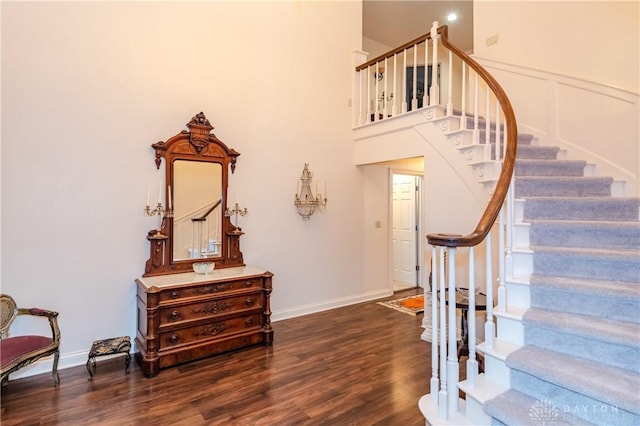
{"points": [[502, 186]]}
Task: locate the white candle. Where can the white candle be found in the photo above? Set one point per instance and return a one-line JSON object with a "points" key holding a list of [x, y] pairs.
{"points": [[148, 194], [160, 195], [170, 197], [325, 188]]}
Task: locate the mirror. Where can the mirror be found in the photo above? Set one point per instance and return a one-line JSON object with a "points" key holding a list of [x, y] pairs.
{"points": [[197, 211], [195, 227]]}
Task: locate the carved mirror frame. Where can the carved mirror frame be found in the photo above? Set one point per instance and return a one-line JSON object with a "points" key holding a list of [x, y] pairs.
{"points": [[196, 144]]}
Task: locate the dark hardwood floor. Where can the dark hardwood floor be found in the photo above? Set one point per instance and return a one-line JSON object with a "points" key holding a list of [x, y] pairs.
{"points": [[359, 365]]}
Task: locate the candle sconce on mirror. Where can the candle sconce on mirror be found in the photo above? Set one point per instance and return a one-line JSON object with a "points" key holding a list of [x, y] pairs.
{"points": [[194, 224], [236, 211], [306, 203], [158, 211]]}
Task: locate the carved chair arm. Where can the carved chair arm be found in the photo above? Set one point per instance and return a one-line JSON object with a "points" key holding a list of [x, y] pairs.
{"points": [[51, 315]]}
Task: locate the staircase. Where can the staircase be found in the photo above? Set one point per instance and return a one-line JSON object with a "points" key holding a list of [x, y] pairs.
{"points": [[580, 361], [562, 333]]}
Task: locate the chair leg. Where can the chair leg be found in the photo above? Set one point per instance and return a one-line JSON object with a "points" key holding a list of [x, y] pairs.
{"points": [[56, 377]]}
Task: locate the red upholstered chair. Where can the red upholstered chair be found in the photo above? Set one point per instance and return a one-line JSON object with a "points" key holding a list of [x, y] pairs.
{"points": [[20, 351]]}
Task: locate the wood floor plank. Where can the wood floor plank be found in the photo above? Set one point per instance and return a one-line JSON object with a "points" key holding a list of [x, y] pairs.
{"points": [[359, 365]]}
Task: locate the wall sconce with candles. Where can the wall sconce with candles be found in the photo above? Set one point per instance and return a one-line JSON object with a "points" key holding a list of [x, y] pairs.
{"points": [[160, 211], [305, 201], [235, 211]]}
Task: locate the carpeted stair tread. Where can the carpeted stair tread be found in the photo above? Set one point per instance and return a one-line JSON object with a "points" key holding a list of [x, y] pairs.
{"points": [[604, 330], [594, 287], [516, 408], [573, 402], [606, 341], [568, 233], [582, 208], [610, 385], [526, 186], [534, 167], [615, 264], [605, 299], [541, 152]]}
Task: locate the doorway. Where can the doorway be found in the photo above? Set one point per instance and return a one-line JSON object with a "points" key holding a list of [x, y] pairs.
{"points": [[405, 229]]}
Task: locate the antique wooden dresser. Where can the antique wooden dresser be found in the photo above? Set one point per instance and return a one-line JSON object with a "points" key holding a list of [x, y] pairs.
{"points": [[187, 316]]}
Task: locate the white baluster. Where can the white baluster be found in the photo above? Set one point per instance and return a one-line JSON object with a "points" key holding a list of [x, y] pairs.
{"points": [[370, 109], [502, 300], [453, 368], [487, 121], [385, 89], [489, 327], [404, 81], [463, 118], [434, 327], [510, 234], [414, 98], [376, 113], [435, 86], [472, 362], [443, 395], [499, 153], [394, 109], [450, 91], [476, 132], [425, 98]]}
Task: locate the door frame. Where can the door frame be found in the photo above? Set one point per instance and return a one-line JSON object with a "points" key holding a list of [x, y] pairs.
{"points": [[420, 221]]}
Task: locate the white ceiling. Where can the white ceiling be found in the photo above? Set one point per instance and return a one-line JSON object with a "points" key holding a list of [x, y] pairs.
{"points": [[395, 22]]}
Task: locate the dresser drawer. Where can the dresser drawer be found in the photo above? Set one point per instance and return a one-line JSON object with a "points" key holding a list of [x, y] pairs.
{"points": [[219, 306], [210, 289], [210, 330]]}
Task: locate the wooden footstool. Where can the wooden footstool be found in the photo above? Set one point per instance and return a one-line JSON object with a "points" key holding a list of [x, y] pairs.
{"points": [[117, 345]]}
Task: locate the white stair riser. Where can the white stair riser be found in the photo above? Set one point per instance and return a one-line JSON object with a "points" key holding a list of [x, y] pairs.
{"points": [[618, 189], [497, 370], [521, 235], [518, 215], [510, 330], [522, 263], [518, 295], [476, 414], [486, 170], [461, 138], [435, 111], [448, 124], [474, 153]]}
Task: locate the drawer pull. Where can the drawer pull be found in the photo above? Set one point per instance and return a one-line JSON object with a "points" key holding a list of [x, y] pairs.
{"points": [[174, 315], [248, 283], [174, 294], [249, 301], [174, 338], [248, 322]]}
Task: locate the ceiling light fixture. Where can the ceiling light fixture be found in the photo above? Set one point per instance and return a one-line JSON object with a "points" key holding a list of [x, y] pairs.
{"points": [[452, 17]]}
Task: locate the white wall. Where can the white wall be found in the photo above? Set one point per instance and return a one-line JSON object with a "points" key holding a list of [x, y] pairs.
{"points": [[88, 87], [572, 72], [593, 40]]}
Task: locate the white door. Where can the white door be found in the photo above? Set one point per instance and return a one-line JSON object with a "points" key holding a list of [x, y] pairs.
{"points": [[404, 230]]}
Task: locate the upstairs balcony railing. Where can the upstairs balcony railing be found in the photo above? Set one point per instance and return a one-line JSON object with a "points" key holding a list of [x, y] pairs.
{"points": [[432, 75]]}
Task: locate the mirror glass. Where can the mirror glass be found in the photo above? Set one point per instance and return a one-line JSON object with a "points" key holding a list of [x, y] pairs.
{"points": [[197, 210]]}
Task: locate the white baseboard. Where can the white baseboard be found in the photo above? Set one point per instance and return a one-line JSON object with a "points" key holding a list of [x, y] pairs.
{"points": [[330, 304]]}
